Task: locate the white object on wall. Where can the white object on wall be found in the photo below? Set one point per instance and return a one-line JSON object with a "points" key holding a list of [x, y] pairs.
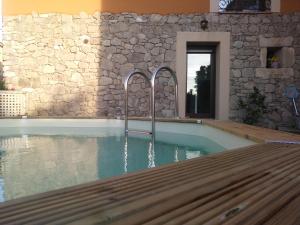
{"points": [[12, 103]]}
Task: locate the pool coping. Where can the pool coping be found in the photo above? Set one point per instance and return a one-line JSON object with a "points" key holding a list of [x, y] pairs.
{"points": [[250, 132]]}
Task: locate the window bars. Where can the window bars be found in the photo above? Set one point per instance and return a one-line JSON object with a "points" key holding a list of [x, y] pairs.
{"points": [[245, 5]]}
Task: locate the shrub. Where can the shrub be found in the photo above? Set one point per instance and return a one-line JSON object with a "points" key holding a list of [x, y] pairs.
{"points": [[2, 83], [254, 107]]}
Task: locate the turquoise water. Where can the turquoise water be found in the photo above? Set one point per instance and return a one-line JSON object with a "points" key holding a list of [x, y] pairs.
{"points": [[31, 164]]}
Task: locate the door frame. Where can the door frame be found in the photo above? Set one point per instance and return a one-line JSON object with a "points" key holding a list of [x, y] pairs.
{"points": [[222, 41]]}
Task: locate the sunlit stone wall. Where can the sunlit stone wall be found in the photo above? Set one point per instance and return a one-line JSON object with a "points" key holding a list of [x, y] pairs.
{"points": [[75, 65]]}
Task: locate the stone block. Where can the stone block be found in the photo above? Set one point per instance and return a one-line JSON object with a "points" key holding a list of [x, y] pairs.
{"points": [[9, 74], [155, 51], [49, 69], [106, 43], [76, 77], [170, 55], [238, 64], [267, 73], [66, 18], [263, 57], [116, 41], [269, 88], [238, 44], [147, 57], [118, 58], [248, 72], [287, 57], [236, 73], [126, 68], [275, 42], [155, 18], [136, 57], [154, 41], [139, 49], [172, 19], [105, 81]]}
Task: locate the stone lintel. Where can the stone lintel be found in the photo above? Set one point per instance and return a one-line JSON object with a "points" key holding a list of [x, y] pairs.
{"points": [[275, 42]]}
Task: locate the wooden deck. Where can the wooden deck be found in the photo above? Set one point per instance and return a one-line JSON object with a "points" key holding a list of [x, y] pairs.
{"points": [[250, 186], [254, 133]]}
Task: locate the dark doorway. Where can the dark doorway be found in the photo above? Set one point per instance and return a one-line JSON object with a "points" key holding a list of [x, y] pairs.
{"points": [[201, 80]]}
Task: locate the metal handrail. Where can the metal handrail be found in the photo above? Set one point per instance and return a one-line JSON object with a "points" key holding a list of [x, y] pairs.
{"points": [[156, 72], [129, 76]]}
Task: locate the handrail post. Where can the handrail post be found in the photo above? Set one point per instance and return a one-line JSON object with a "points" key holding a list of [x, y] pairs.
{"points": [[154, 75], [129, 76]]}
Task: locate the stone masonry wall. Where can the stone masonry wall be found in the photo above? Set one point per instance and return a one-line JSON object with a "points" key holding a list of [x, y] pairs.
{"points": [[75, 65]]}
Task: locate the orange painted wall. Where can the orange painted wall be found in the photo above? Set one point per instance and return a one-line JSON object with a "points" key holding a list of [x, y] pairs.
{"points": [[290, 5], [17, 7]]}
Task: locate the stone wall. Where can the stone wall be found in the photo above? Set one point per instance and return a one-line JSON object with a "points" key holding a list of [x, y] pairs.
{"points": [[75, 65]]}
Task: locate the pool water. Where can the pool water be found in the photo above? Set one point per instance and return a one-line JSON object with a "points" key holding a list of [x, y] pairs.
{"points": [[40, 159]]}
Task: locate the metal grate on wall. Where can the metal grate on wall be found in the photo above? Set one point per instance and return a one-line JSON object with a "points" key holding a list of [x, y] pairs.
{"points": [[245, 5], [12, 104]]}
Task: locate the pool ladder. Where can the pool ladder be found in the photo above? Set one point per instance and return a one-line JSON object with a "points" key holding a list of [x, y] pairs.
{"points": [[152, 97]]}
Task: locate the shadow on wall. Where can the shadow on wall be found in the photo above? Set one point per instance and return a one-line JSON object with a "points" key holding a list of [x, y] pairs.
{"points": [[50, 106], [129, 42]]}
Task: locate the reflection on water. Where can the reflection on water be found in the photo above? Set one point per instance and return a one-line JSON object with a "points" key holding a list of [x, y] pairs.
{"points": [[35, 164]]}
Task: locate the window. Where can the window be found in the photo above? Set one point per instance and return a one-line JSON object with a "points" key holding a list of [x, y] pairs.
{"points": [[245, 5]]}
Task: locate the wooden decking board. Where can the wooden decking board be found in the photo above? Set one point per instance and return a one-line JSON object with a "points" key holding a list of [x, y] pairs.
{"points": [[30, 209], [190, 190], [257, 134], [129, 179], [270, 202], [88, 193], [242, 201], [210, 206], [263, 179], [225, 195], [187, 209], [287, 215], [267, 207]]}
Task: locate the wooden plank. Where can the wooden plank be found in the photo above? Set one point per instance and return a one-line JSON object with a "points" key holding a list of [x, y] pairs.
{"points": [[202, 205], [210, 209], [243, 202], [185, 192], [287, 215], [257, 134]]}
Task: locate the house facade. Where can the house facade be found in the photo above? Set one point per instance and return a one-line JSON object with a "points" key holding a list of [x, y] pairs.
{"points": [[71, 57]]}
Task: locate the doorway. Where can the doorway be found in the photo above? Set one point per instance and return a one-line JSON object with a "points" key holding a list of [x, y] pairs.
{"points": [[201, 80]]}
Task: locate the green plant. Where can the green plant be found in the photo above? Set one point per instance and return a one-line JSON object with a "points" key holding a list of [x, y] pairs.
{"points": [[2, 83], [275, 58], [254, 106]]}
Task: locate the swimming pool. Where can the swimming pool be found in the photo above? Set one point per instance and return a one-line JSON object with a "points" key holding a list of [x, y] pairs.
{"points": [[46, 154]]}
